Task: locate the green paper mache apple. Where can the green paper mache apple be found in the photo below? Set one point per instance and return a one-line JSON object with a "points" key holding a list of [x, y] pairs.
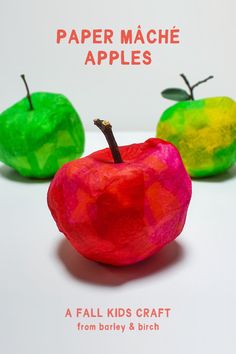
{"points": [[204, 130], [40, 133]]}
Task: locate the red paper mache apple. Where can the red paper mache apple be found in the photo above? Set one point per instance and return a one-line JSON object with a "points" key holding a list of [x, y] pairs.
{"points": [[121, 205]]}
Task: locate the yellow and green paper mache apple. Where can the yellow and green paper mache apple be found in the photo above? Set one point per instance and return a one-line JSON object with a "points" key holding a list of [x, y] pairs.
{"points": [[40, 133], [203, 130]]}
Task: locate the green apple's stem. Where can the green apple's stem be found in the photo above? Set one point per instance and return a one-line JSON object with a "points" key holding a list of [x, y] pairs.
{"points": [[191, 88], [106, 128], [28, 93]]}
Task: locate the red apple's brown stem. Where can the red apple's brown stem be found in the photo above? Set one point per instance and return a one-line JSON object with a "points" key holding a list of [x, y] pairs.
{"points": [[28, 93], [191, 88], [106, 128]]}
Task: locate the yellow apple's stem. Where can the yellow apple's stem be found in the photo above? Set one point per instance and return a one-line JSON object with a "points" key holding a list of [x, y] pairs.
{"points": [[191, 88], [106, 128], [28, 93]]}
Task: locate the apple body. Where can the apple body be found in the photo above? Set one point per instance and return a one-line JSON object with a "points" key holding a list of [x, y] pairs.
{"points": [[122, 213], [38, 142], [204, 131]]}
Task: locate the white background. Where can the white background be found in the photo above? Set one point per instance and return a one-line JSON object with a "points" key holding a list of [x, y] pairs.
{"points": [[40, 273], [128, 96]]}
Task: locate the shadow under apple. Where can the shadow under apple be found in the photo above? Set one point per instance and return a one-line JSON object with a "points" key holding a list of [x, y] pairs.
{"points": [[12, 175], [91, 272], [223, 177]]}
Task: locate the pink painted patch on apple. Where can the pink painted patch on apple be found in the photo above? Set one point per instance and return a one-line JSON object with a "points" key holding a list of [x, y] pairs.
{"points": [[121, 213]]}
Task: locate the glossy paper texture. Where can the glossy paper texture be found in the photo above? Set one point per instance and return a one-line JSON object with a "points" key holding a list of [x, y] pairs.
{"points": [[122, 213], [204, 131], [38, 142]]}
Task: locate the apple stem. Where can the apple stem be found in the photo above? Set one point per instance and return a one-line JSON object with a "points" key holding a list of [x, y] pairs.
{"points": [[106, 128], [191, 88], [28, 93]]}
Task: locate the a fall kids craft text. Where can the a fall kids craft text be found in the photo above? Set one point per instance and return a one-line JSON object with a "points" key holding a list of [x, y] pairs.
{"points": [[113, 319]]}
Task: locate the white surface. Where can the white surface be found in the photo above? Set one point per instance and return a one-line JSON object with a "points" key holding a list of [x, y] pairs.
{"points": [[41, 275], [128, 96]]}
